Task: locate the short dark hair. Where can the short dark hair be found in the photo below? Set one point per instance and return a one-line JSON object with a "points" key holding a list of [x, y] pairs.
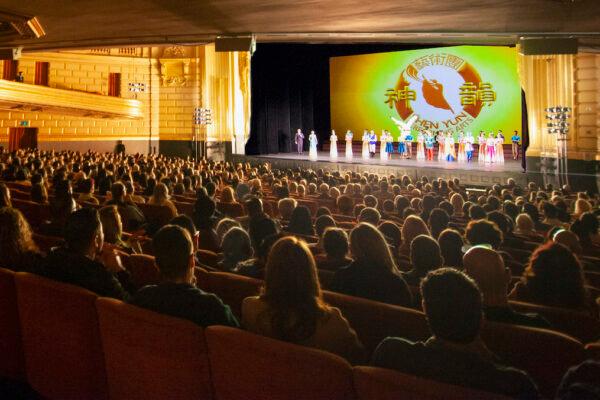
{"points": [[185, 222], [453, 305], [476, 212], [484, 232], [425, 253], [81, 228], [335, 242], [172, 249]]}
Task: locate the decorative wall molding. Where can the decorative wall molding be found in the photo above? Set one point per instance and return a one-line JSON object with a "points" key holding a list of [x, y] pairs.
{"points": [[174, 72]]}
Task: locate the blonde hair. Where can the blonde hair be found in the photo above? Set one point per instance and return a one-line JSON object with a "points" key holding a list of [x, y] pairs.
{"points": [[524, 223], [457, 203], [581, 206], [160, 194], [227, 195], [413, 226]]}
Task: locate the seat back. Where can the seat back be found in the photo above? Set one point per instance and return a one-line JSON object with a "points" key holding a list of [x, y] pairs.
{"points": [[35, 213], [61, 339], [156, 216], [249, 366], [152, 356], [232, 210], [231, 288], [580, 325], [592, 351], [545, 355], [374, 321], [143, 269], [12, 364], [373, 383]]}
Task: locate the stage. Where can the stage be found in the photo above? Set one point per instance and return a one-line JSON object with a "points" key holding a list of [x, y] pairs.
{"points": [[472, 173]]}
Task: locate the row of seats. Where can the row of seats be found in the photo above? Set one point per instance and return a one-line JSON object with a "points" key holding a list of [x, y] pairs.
{"points": [[70, 344]]}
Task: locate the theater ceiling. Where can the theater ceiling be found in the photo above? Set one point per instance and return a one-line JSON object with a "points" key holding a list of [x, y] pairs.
{"points": [[88, 23]]}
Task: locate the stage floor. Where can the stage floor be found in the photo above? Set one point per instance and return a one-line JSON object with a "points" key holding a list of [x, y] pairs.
{"points": [[472, 173], [508, 165]]}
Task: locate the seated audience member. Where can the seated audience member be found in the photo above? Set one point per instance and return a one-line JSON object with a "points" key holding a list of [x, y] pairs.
{"points": [[587, 228], [255, 267], [486, 268], [177, 295], [551, 214], [291, 307], [413, 226], [323, 222], [286, 208], [205, 221], [484, 232], [86, 189], [236, 248], [345, 205], [334, 242], [38, 193], [131, 196], [525, 228], [451, 245], [455, 353], [457, 203], [301, 222], [160, 197], [18, 251], [580, 382], [131, 215], [534, 214], [227, 195], [322, 211], [553, 278], [224, 225], [113, 231], [4, 196], [373, 274], [438, 221], [82, 261], [568, 239], [393, 235], [425, 256], [61, 207], [369, 215], [476, 212]]}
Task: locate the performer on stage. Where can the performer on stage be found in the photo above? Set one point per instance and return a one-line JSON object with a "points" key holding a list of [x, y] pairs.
{"points": [[515, 139], [404, 127], [420, 146], [389, 144], [372, 143], [500, 148], [408, 139], [469, 140], [490, 148], [401, 145], [481, 140], [299, 140], [449, 147], [461, 155], [333, 151], [429, 145], [365, 145], [441, 142], [313, 141], [349, 136], [383, 146]]}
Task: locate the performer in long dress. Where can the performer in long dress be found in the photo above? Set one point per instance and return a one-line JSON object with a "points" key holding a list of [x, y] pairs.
{"points": [[349, 137], [383, 146], [372, 144], [490, 148], [515, 139], [389, 144], [333, 151], [441, 143], [365, 145], [313, 141], [449, 147], [461, 156], [401, 145], [420, 146], [404, 127], [299, 140], [429, 146], [408, 139], [481, 141], [500, 148], [469, 140]]}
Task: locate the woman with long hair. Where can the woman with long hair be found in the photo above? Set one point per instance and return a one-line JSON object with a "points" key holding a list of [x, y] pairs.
{"points": [[553, 278], [5, 196], [413, 226], [18, 251], [301, 222], [373, 274], [160, 197], [291, 307]]}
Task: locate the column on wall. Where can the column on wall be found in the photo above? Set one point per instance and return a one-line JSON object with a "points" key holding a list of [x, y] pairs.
{"points": [[548, 81], [587, 102]]}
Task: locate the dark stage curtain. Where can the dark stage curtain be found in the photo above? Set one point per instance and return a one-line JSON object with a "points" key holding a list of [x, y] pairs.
{"points": [[524, 130], [290, 90]]}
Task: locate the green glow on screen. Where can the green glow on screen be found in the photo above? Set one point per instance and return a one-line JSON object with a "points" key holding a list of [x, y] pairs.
{"points": [[446, 83]]}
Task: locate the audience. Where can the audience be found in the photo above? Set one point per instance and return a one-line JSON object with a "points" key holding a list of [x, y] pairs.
{"points": [[425, 256], [18, 251], [334, 242], [455, 353], [451, 245], [291, 307], [177, 295]]}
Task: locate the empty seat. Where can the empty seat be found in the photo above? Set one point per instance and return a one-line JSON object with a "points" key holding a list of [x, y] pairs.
{"points": [[12, 364], [373, 383], [248, 366], [152, 356], [61, 339]]}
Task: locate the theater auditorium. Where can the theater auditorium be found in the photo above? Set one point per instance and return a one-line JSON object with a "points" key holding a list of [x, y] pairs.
{"points": [[299, 200]]}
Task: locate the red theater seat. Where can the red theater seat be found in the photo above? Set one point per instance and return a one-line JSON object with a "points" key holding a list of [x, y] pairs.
{"points": [[232, 210], [12, 364], [152, 356], [156, 216], [231, 288], [249, 366], [142, 268], [61, 339], [373, 383]]}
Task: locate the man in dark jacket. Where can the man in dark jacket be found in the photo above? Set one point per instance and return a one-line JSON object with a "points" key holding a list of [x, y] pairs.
{"points": [[177, 295]]}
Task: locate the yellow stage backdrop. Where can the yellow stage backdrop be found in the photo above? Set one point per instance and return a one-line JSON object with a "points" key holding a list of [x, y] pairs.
{"points": [[462, 88]]}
